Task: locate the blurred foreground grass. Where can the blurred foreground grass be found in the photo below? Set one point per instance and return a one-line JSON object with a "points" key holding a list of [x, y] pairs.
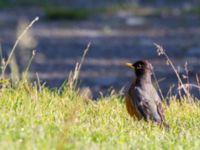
{"points": [[40, 118]]}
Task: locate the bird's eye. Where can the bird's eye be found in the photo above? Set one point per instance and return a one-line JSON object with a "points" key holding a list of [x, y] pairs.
{"points": [[139, 66]]}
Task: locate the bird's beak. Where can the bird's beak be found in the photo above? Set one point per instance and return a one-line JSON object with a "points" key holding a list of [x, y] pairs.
{"points": [[130, 65]]}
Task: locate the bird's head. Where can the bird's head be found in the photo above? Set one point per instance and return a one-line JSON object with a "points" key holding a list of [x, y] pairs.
{"points": [[141, 67]]}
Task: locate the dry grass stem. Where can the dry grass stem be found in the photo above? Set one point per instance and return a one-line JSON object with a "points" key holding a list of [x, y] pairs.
{"points": [[15, 45], [73, 77], [159, 89], [30, 61], [160, 52]]}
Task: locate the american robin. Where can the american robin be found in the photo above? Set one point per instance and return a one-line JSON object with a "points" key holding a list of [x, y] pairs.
{"points": [[142, 99]]}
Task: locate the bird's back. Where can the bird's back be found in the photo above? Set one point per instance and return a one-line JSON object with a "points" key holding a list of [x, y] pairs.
{"points": [[142, 101]]}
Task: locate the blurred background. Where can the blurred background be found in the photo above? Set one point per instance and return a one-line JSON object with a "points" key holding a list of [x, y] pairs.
{"points": [[120, 31]]}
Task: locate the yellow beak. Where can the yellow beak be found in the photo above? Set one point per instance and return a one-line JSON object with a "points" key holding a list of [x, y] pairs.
{"points": [[130, 65]]}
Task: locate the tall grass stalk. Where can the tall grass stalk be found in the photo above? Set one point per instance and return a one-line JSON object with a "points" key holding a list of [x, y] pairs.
{"points": [[161, 52], [1, 54], [25, 76], [30, 61], [14, 71], [157, 84], [15, 45], [73, 77]]}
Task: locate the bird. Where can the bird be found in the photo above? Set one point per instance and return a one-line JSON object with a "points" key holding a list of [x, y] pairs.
{"points": [[142, 99]]}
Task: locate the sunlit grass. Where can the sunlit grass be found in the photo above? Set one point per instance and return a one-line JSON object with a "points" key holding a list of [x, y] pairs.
{"points": [[33, 119]]}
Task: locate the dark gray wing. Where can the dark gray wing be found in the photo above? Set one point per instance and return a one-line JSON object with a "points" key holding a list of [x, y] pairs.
{"points": [[140, 103], [146, 104]]}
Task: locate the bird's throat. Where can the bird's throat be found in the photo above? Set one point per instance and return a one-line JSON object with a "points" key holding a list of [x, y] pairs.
{"points": [[143, 79]]}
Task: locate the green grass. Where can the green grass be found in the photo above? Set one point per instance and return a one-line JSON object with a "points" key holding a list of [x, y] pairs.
{"points": [[47, 119]]}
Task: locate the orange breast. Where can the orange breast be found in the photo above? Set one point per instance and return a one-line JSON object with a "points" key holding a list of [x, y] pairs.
{"points": [[129, 106]]}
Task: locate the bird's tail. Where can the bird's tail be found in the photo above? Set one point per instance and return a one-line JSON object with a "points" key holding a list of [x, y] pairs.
{"points": [[165, 125]]}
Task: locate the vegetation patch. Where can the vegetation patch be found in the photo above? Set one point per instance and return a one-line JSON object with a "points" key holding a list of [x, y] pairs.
{"points": [[68, 13], [50, 119], [193, 10]]}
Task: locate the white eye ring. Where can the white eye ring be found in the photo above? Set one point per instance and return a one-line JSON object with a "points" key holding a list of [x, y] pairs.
{"points": [[139, 66]]}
